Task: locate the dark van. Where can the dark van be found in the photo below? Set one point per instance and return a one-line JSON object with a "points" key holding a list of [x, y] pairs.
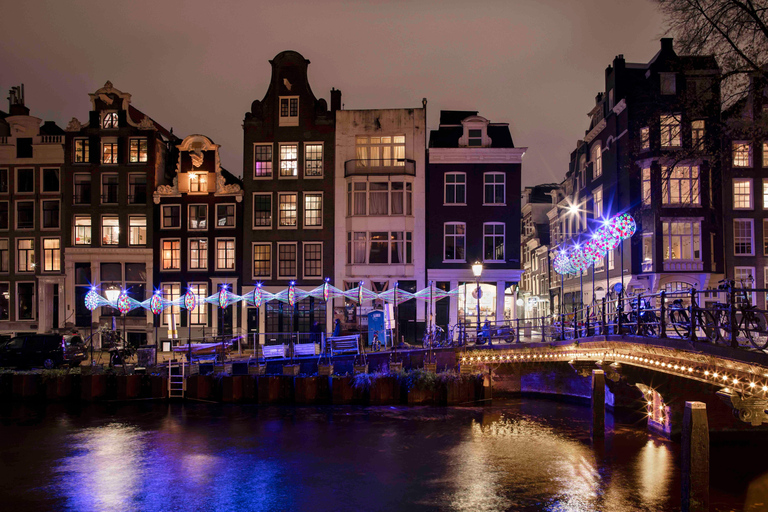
{"points": [[42, 350]]}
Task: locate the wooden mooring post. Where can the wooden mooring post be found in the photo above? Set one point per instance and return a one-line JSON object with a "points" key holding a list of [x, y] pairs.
{"points": [[695, 458], [598, 403]]}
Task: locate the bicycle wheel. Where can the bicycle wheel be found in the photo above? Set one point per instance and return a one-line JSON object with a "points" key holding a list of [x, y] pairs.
{"points": [[679, 320], [708, 324], [755, 327]]}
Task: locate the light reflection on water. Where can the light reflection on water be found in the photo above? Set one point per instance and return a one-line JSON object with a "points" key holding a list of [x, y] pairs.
{"points": [[522, 455]]}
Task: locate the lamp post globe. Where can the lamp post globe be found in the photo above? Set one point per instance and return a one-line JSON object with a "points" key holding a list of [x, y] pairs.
{"points": [[477, 270]]}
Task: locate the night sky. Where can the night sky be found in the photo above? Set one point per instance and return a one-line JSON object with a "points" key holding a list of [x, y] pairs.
{"points": [[197, 66]]}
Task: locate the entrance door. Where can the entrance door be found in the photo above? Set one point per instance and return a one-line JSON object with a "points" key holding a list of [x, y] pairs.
{"points": [[225, 321], [253, 320]]}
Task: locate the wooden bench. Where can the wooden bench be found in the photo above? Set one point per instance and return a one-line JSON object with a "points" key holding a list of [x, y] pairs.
{"points": [[344, 344]]}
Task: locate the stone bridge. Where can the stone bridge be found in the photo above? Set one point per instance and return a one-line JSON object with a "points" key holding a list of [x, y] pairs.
{"points": [[657, 376]]}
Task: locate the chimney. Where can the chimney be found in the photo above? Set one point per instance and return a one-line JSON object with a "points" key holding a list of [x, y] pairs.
{"points": [[335, 99], [16, 101], [666, 44]]}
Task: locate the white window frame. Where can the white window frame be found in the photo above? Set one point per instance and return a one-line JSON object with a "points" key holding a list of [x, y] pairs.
{"points": [[267, 276], [454, 236], [130, 228], [277, 254], [102, 230], [201, 310], [597, 160], [737, 158], [234, 215], [234, 254], [494, 235], [166, 315], [765, 193], [45, 260], [304, 246], [693, 185], [33, 263], [34, 302], [162, 256], [288, 120], [44, 200], [112, 142], [597, 206], [162, 216], [271, 211], [751, 223], [101, 188], [305, 210], [138, 150], [271, 162], [16, 179], [113, 117], [749, 195], [280, 146], [189, 254], [503, 184], [200, 178], [692, 222], [671, 132], [16, 214], [74, 229], [189, 217], [281, 194], [750, 272], [455, 185], [307, 145]]}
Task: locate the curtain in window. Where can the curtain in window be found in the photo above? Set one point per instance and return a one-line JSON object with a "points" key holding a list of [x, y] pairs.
{"points": [[378, 198], [397, 244], [362, 156], [397, 198], [398, 154], [360, 199], [359, 247]]}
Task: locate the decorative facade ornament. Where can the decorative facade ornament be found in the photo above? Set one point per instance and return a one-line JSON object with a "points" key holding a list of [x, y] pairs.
{"points": [[287, 84], [106, 99], [197, 157], [146, 124], [74, 125], [223, 188], [167, 190], [752, 410], [108, 86]]}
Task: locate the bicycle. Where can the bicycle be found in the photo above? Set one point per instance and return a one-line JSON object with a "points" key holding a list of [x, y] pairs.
{"points": [[433, 337], [648, 319], [680, 319], [750, 322]]}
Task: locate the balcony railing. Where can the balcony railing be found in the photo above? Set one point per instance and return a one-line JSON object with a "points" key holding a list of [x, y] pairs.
{"points": [[676, 266], [51, 139], [380, 166], [647, 266], [138, 198]]}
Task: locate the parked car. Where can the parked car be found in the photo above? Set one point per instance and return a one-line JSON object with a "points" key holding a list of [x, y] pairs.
{"points": [[46, 350]]}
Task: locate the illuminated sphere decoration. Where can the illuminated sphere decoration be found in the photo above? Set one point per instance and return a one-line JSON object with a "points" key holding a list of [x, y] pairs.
{"points": [[578, 261], [257, 296], [123, 303], [622, 226], [156, 304], [326, 290], [190, 300], [360, 293], [92, 300], [292, 294], [223, 297]]}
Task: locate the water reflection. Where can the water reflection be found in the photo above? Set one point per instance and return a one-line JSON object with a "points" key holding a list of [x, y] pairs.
{"points": [[523, 455]]}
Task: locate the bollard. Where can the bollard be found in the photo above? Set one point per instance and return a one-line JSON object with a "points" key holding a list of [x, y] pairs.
{"points": [[695, 458], [598, 403]]}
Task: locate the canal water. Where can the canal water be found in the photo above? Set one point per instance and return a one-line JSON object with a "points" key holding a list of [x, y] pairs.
{"points": [[521, 455]]}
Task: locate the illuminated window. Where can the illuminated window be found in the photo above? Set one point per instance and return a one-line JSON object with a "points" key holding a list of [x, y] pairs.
{"points": [[597, 160], [51, 255], [670, 131], [25, 255], [289, 160], [82, 230], [82, 150], [385, 151], [697, 134], [682, 240], [109, 151], [198, 253], [742, 194], [137, 230], [356, 247], [681, 185], [645, 138], [110, 230], [743, 237], [647, 248], [742, 154], [289, 111], [4, 255], [198, 182], [109, 120], [138, 150], [200, 313], [287, 209], [454, 241], [313, 210], [262, 156], [225, 254], [262, 260], [171, 255], [171, 314], [313, 160], [646, 190], [597, 203]]}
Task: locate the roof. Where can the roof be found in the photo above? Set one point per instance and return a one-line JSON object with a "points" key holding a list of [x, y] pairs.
{"points": [[448, 136], [137, 115], [455, 116], [51, 128], [230, 179]]}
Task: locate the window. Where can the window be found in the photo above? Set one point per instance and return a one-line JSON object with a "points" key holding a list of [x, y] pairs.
{"points": [[597, 203], [26, 302], [742, 154], [379, 252], [3, 214], [262, 260], [355, 247], [25, 180], [668, 85], [82, 148], [765, 238], [109, 188], [455, 188], [379, 198], [670, 131], [385, 247], [51, 214], [137, 230], [138, 150], [82, 230], [109, 151], [3, 181], [172, 216], [744, 277], [646, 187], [289, 111], [51, 180], [51, 255], [494, 188], [380, 151], [645, 139], [137, 189], [171, 293], [597, 160], [742, 194], [681, 185], [289, 160], [475, 138], [697, 134], [225, 254], [109, 120], [25, 255], [4, 255], [225, 215], [198, 182], [493, 241], [765, 150], [287, 209], [198, 253], [198, 216], [313, 210], [647, 248], [313, 160], [743, 237], [286, 260], [454, 241], [765, 193], [682, 240], [262, 157], [200, 313], [313, 260], [396, 196], [171, 254], [25, 214], [262, 210], [82, 189], [110, 230], [356, 198]]}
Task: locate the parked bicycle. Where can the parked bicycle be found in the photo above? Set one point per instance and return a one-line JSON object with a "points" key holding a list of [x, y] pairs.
{"points": [[434, 337], [750, 323], [642, 318], [680, 319]]}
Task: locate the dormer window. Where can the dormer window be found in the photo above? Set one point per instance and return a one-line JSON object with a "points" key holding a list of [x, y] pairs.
{"points": [[475, 138], [198, 182], [289, 110], [475, 133], [668, 85], [109, 120]]}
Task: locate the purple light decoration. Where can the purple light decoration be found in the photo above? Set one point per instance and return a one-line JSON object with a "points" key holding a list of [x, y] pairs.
{"points": [[360, 293], [292, 294], [190, 300], [123, 304], [92, 299], [622, 226], [257, 297], [223, 297], [156, 303], [327, 289], [578, 261]]}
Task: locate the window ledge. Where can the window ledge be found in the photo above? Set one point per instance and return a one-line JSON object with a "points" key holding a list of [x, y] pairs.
{"points": [[455, 261], [494, 204], [454, 204]]}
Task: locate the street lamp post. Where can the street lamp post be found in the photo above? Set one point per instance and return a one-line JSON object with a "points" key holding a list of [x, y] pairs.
{"points": [[477, 270]]}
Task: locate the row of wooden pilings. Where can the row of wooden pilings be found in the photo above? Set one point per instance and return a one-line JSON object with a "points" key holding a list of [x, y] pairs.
{"points": [[694, 454]]}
